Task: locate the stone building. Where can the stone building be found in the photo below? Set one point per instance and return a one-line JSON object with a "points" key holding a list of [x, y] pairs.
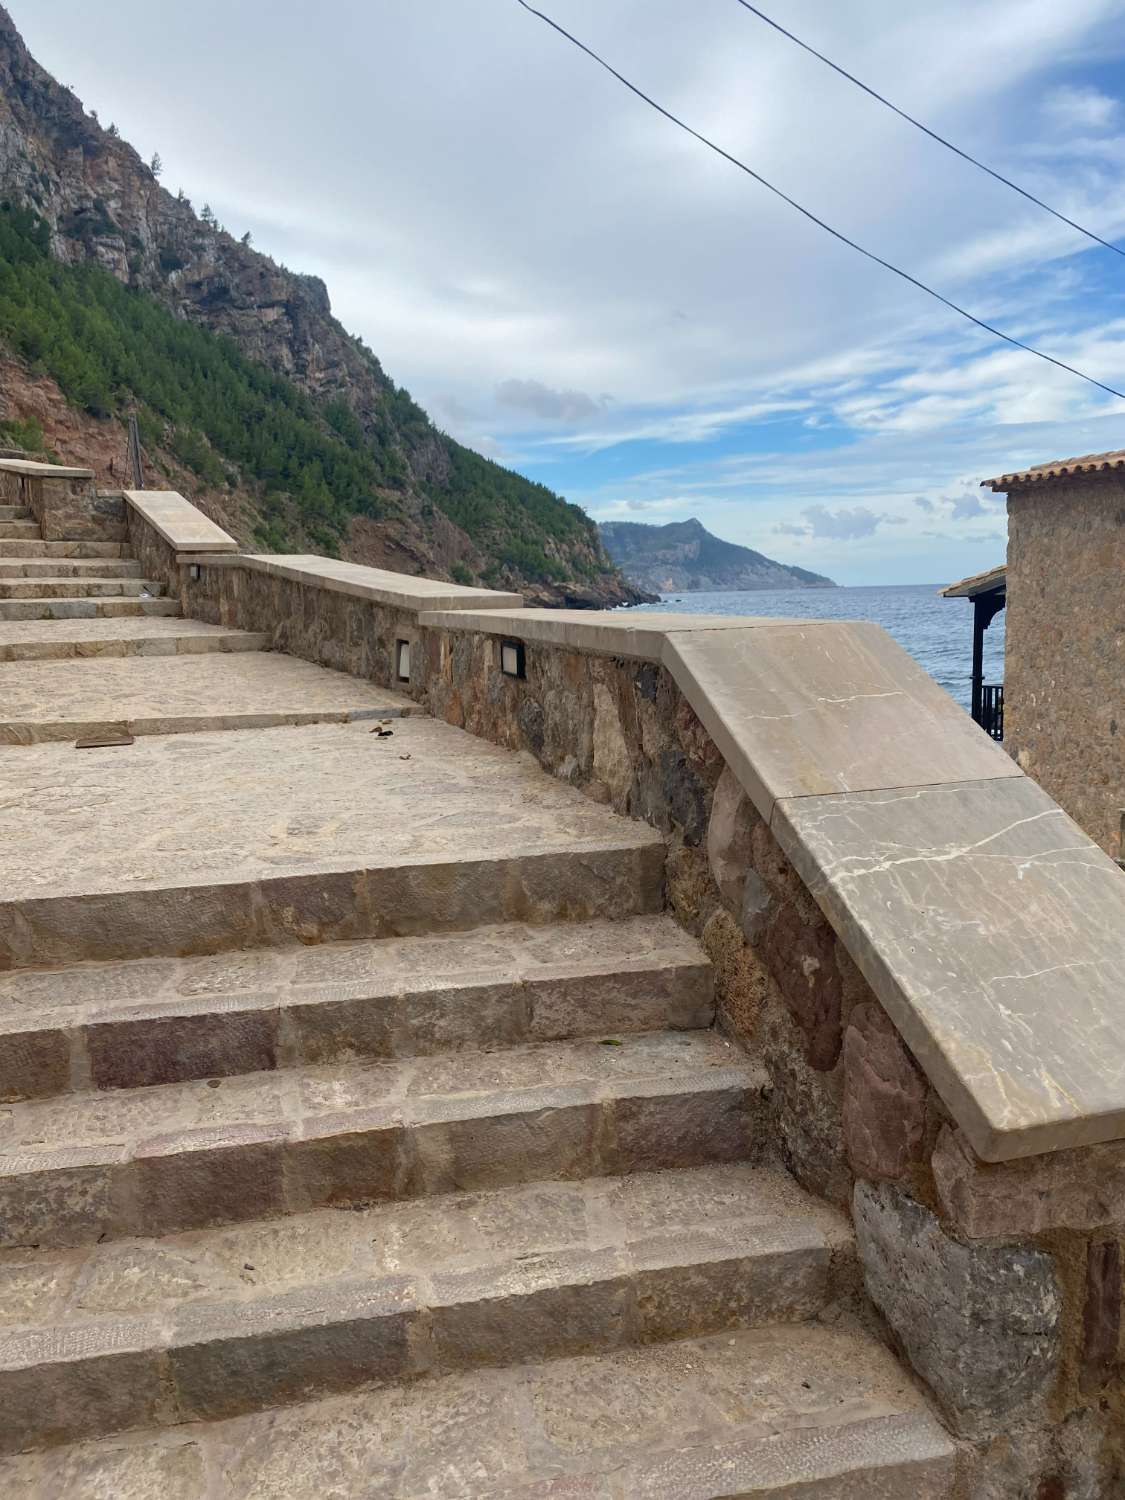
{"points": [[1064, 688]]}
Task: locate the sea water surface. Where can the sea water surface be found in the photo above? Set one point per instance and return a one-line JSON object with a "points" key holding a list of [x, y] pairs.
{"points": [[937, 632]]}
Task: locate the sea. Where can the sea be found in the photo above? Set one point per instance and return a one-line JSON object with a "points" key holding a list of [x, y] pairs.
{"points": [[937, 632]]}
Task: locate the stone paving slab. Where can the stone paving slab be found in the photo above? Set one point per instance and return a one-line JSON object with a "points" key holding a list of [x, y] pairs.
{"points": [[819, 1413], [555, 1268], [150, 1161], [63, 700], [46, 640], [206, 842], [166, 1021], [37, 547], [53, 567]]}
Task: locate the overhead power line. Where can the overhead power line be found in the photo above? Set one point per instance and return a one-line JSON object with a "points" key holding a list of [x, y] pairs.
{"points": [[933, 135], [808, 214]]}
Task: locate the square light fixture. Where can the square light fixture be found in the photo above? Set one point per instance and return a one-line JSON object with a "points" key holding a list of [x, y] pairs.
{"points": [[402, 661], [513, 661], [193, 572]]}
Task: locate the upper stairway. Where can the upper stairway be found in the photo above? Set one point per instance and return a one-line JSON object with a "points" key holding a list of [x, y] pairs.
{"points": [[365, 1129]]}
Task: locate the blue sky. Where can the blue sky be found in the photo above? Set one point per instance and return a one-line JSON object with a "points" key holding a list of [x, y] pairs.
{"points": [[572, 286]]}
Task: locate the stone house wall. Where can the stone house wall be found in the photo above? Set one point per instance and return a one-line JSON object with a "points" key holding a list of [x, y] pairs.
{"points": [[1001, 1285], [1064, 674]]}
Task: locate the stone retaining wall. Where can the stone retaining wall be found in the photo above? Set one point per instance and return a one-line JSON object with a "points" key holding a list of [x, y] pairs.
{"points": [[65, 502], [1000, 1283]]}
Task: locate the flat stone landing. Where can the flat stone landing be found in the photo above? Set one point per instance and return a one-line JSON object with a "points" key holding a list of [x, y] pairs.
{"points": [[202, 842], [63, 700], [38, 640]]}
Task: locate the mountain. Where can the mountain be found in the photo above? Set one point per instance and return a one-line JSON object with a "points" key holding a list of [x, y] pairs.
{"points": [[116, 295], [685, 555]]}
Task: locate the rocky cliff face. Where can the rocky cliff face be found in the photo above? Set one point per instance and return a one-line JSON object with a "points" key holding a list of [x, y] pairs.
{"points": [[103, 204], [685, 555]]}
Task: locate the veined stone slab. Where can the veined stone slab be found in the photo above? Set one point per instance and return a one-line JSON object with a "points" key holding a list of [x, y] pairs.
{"points": [[826, 707], [993, 932]]}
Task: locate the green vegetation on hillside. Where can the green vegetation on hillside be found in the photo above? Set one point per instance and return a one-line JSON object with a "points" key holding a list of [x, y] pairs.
{"points": [[232, 420]]}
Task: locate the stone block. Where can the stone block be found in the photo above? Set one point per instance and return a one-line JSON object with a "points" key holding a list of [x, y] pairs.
{"points": [[539, 1307], [669, 1125], [33, 1064], [60, 1198], [168, 1048], [884, 1097], [981, 1326], [704, 1281], [208, 1176], [730, 839], [132, 1471], [65, 1385], [350, 1158], [1078, 1190], [312, 1343], [1101, 1313], [552, 1140]]}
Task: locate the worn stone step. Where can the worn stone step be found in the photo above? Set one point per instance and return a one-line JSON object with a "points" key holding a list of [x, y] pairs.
{"points": [[202, 843], [786, 1410], [152, 1021], [49, 640], [65, 700], [79, 588], [222, 1322], [37, 547], [85, 609], [55, 568], [89, 1166], [20, 531], [9, 513]]}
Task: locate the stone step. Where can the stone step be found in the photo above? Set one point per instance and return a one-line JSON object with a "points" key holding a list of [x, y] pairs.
{"points": [[90, 1166], [67, 700], [9, 513], [152, 1021], [55, 568], [203, 843], [79, 588], [20, 531], [787, 1410], [85, 609], [39, 548], [47, 640], [226, 1321]]}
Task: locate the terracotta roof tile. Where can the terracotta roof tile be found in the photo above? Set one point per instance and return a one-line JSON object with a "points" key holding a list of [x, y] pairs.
{"points": [[1061, 468]]}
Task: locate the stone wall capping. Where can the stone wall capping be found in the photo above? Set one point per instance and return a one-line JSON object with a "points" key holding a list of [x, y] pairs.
{"points": [[32, 470], [377, 584], [181, 524]]}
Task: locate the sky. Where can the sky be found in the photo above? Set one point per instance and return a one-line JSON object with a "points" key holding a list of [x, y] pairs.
{"points": [[574, 287]]}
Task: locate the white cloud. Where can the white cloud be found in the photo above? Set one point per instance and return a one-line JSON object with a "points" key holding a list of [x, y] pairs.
{"points": [[551, 405], [1073, 108]]}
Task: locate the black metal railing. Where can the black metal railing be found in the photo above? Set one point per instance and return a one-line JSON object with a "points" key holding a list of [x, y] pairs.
{"points": [[992, 709]]}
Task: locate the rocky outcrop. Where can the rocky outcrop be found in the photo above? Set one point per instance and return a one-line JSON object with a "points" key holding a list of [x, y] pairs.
{"points": [[104, 205], [685, 555]]}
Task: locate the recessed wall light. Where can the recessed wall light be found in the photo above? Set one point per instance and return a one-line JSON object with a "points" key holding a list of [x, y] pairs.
{"points": [[402, 661], [513, 660]]}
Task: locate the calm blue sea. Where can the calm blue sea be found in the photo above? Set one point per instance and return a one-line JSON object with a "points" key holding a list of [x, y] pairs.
{"points": [[937, 632]]}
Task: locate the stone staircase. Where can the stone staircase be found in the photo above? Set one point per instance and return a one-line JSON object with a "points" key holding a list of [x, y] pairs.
{"points": [[366, 1132]]}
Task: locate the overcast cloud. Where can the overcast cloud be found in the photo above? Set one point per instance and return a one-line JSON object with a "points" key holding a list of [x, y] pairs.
{"points": [[567, 282]]}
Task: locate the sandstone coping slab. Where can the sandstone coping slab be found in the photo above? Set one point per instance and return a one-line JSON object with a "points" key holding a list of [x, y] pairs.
{"points": [[181, 524], [376, 584], [33, 470], [992, 930], [608, 632]]}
